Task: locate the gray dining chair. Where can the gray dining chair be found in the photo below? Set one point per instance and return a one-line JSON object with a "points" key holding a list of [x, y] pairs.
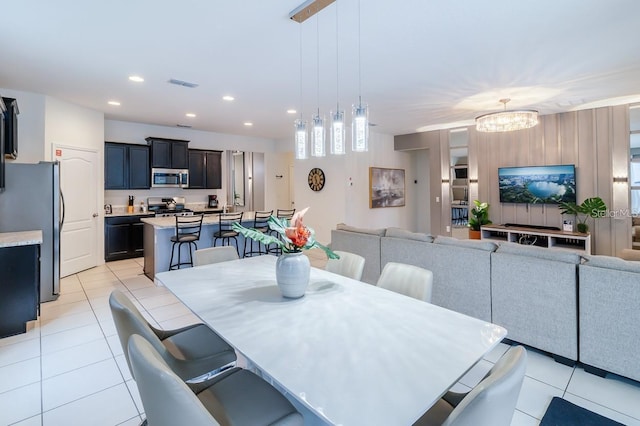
{"points": [[490, 402], [210, 255], [235, 397], [409, 280], [194, 352], [349, 265]]}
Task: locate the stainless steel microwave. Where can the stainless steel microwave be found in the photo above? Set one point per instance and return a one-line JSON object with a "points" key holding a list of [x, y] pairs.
{"points": [[169, 178]]}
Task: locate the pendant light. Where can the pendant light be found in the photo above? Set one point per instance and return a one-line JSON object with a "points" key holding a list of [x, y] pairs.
{"points": [[360, 112], [317, 122], [337, 130], [300, 125], [507, 120]]}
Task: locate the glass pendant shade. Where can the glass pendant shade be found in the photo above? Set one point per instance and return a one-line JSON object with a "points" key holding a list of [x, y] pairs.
{"points": [[360, 128], [301, 139], [338, 146], [317, 136]]}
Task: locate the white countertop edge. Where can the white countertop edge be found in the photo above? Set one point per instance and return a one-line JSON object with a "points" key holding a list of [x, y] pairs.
{"points": [[21, 238]]}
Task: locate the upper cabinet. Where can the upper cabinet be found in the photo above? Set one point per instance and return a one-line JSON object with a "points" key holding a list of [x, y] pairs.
{"points": [[126, 166], [205, 169], [169, 153]]}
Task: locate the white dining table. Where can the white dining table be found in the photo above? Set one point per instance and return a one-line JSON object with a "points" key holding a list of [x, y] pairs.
{"points": [[349, 352]]}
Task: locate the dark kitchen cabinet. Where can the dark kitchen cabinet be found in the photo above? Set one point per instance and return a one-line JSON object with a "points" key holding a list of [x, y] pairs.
{"points": [[11, 112], [126, 166], [169, 153], [123, 237], [205, 169], [20, 287], [2, 167]]}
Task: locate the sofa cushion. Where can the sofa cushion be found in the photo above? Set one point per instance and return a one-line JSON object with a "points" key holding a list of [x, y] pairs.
{"points": [[539, 252], [472, 244], [610, 262], [345, 227], [403, 233]]}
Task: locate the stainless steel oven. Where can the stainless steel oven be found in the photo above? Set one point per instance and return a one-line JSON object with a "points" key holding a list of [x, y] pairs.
{"points": [[169, 178]]}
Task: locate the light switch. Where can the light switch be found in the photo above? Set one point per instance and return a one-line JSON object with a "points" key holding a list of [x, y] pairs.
{"points": [[437, 199]]}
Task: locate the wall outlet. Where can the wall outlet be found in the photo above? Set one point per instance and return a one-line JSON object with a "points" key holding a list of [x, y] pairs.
{"points": [[448, 228], [437, 199]]}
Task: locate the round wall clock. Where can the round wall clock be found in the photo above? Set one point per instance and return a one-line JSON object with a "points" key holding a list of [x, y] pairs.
{"points": [[316, 179]]}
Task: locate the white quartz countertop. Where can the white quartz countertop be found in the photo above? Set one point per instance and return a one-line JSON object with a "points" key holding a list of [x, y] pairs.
{"points": [[22, 238], [170, 222]]}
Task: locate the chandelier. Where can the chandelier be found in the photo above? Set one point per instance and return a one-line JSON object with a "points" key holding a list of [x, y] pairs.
{"points": [[507, 120]]}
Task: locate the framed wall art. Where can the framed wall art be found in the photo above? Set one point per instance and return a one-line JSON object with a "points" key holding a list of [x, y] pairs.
{"points": [[386, 187]]}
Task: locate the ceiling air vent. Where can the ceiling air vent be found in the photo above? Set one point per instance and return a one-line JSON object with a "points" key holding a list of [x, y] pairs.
{"points": [[186, 126], [183, 83]]}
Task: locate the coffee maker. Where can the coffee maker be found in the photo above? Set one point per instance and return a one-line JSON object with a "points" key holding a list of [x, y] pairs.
{"points": [[213, 201]]}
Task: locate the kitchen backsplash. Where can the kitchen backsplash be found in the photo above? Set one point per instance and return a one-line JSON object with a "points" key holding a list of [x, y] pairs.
{"points": [[119, 199]]}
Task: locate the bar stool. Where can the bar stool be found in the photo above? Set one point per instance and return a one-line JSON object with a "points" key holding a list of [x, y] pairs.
{"points": [[225, 230], [187, 232], [280, 214], [260, 224]]}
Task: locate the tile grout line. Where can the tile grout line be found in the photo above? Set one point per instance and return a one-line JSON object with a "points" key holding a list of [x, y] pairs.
{"points": [[125, 356]]}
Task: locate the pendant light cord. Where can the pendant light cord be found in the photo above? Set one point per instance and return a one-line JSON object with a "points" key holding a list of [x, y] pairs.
{"points": [[300, 72], [359, 60], [337, 69], [318, 60]]}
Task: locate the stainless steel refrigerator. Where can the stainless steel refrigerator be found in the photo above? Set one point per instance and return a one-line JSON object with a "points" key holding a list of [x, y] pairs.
{"points": [[32, 200]]}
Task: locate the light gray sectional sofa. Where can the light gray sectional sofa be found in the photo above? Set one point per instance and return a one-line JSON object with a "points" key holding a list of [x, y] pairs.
{"points": [[577, 309], [462, 264], [534, 296], [609, 315]]}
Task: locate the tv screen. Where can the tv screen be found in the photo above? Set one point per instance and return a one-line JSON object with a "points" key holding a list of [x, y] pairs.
{"points": [[537, 184], [461, 173]]}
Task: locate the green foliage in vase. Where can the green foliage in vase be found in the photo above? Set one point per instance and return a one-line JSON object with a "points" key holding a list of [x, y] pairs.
{"points": [[294, 235]]}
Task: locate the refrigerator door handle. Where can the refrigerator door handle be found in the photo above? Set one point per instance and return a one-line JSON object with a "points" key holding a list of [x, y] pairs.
{"points": [[62, 208]]}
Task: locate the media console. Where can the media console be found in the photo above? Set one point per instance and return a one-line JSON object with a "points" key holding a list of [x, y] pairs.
{"points": [[535, 236]]}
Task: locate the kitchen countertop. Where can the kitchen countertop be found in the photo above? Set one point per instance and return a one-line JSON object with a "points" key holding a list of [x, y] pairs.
{"points": [[123, 214], [22, 238], [170, 222]]}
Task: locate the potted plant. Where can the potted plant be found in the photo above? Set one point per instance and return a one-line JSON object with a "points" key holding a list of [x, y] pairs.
{"points": [[591, 207], [479, 217]]}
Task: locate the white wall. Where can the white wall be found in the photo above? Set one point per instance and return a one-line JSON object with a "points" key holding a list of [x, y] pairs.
{"points": [[345, 196], [30, 125], [72, 125]]}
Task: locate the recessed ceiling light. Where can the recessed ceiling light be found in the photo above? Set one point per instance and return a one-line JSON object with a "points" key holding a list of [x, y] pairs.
{"points": [[291, 111], [114, 103], [248, 123], [228, 98], [136, 78], [190, 115]]}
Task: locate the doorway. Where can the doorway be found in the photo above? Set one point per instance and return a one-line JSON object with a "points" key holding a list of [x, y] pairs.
{"points": [[79, 236]]}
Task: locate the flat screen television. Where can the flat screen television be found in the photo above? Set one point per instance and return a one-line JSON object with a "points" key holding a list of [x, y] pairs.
{"points": [[537, 184]]}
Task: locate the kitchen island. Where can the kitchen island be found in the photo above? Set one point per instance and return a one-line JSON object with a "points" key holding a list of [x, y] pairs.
{"points": [[157, 243]]}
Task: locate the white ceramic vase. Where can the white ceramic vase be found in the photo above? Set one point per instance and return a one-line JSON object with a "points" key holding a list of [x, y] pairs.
{"points": [[292, 274]]}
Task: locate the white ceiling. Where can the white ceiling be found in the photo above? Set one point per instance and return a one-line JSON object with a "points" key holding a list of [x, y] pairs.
{"points": [[424, 64]]}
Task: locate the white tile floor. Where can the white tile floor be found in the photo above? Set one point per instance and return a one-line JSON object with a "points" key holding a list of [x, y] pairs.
{"points": [[69, 369]]}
